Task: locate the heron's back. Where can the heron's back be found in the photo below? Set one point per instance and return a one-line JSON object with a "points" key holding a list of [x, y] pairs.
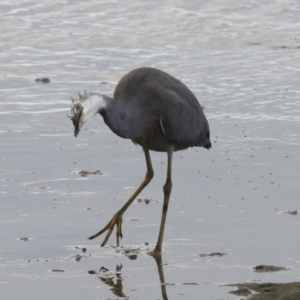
{"points": [[164, 109]]}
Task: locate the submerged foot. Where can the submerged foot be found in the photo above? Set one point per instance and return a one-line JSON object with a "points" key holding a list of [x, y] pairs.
{"points": [[155, 253]]}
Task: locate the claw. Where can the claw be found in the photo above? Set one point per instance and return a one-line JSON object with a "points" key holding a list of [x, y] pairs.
{"points": [[115, 221]]}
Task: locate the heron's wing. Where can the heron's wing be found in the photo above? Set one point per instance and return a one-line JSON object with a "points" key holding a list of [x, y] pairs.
{"points": [[148, 95], [128, 122], [183, 120]]}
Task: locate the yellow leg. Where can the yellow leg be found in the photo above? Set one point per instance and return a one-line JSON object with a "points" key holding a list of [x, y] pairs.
{"points": [[167, 192], [117, 218]]}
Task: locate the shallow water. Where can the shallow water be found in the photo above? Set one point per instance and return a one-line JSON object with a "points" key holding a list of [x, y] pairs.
{"points": [[241, 61]]}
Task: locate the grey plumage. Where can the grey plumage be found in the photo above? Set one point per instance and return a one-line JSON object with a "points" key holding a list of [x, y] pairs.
{"points": [[145, 100], [154, 110]]}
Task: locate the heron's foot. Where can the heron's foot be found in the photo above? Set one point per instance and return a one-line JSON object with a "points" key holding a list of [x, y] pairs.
{"points": [[155, 253], [115, 221]]}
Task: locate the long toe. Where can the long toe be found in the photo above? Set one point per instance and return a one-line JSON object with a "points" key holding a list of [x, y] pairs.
{"points": [[109, 231], [115, 221]]}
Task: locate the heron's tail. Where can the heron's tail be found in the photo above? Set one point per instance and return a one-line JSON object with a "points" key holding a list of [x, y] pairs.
{"points": [[205, 144]]}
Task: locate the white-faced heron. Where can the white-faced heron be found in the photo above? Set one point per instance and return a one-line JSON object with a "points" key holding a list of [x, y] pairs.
{"points": [[155, 111]]}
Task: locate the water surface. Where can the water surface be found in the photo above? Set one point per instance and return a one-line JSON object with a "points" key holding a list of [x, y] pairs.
{"points": [[242, 62]]}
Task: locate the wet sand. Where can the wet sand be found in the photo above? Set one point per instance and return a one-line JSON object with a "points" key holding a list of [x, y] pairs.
{"points": [[242, 63], [269, 291]]}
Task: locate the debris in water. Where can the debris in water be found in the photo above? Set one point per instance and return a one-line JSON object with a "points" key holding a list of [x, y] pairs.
{"points": [[43, 80], [289, 212], [134, 219], [146, 201], [214, 254], [268, 268], [87, 173], [242, 291]]}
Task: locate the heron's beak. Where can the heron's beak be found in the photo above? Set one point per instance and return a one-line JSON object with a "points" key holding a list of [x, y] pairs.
{"points": [[77, 120]]}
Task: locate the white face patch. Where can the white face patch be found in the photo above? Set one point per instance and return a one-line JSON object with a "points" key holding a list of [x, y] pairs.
{"points": [[88, 105], [92, 105]]}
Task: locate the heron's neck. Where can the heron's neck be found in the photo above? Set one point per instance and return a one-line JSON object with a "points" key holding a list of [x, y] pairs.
{"points": [[97, 102], [115, 117]]}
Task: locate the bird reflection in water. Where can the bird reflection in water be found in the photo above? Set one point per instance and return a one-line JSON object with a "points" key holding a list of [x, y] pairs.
{"points": [[107, 277], [115, 281]]}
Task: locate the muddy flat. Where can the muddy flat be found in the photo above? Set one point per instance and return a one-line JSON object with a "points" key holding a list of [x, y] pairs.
{"points": [[268, 291], [232, 208]]}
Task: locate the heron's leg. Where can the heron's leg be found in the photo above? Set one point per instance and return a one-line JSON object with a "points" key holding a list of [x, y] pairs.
{"points": [[117, 218], [167, 192]]}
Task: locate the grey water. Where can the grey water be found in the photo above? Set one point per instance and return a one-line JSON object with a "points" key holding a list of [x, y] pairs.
{"points": [[240, 58]]}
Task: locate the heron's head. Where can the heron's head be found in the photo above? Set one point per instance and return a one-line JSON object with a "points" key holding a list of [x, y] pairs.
{"points": [[84, 108]]}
